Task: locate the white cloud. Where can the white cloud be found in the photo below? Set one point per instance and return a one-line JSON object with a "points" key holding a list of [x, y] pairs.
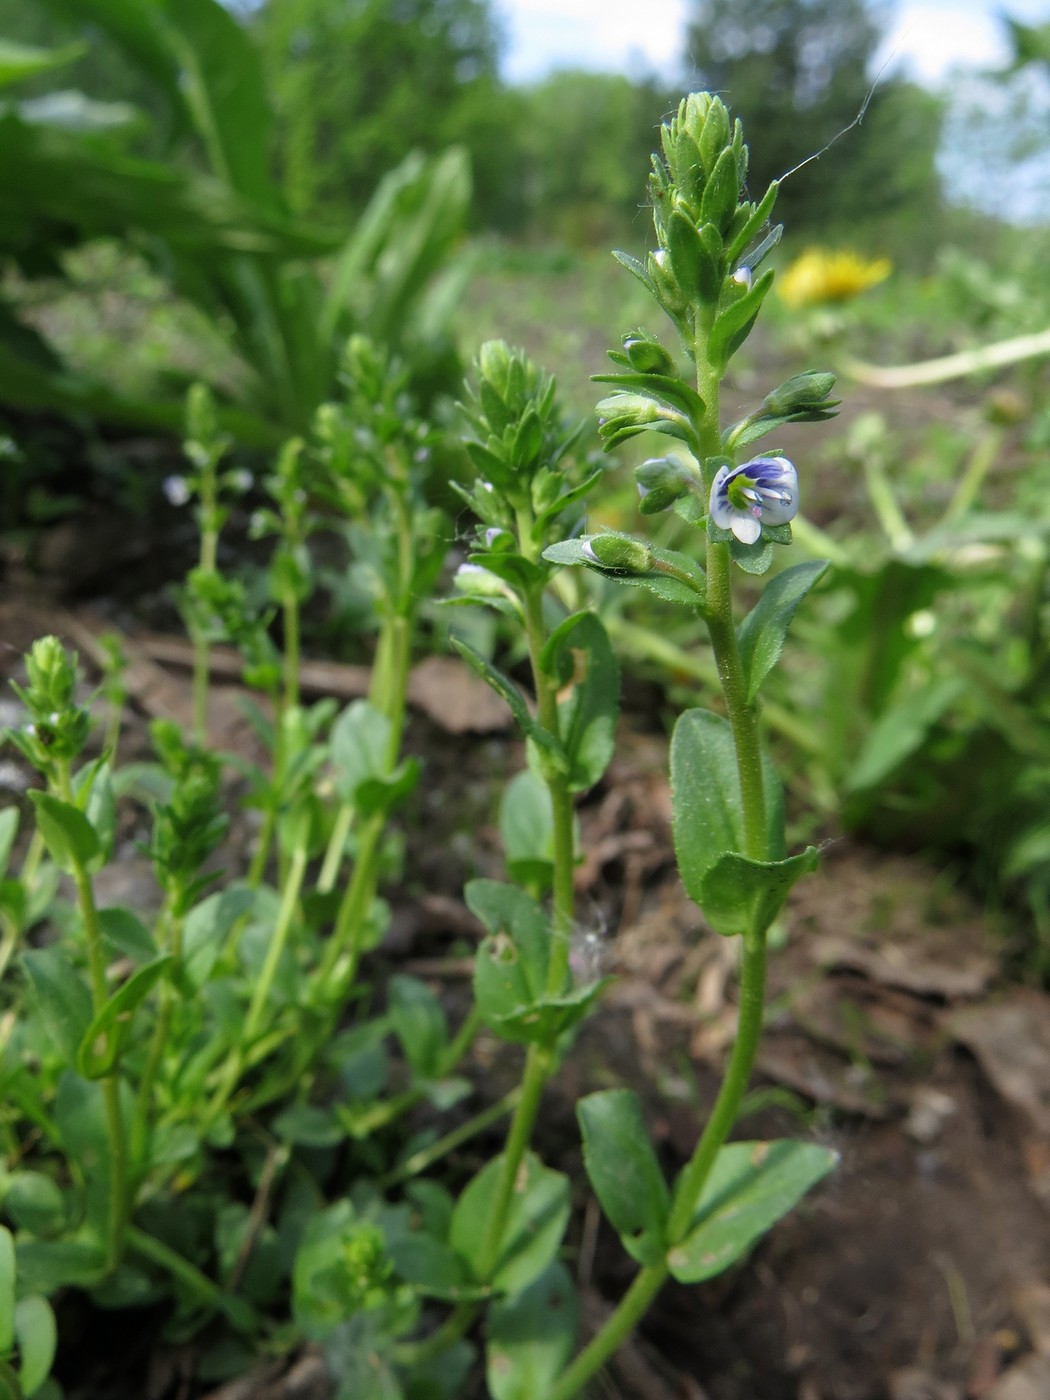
{"points": [[611, 35], [928, 40]]}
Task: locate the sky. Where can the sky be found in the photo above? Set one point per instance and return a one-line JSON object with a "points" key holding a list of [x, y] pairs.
{"points": [[926, 37]]}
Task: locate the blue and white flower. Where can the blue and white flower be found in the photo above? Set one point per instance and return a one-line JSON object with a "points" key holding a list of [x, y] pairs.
{"points": [[762, 492]]}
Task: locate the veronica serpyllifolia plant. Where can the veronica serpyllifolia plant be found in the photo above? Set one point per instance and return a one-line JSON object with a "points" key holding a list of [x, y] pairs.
{"points": [[727, 804]]}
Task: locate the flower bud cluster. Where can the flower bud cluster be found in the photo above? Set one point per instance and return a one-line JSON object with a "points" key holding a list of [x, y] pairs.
{"points": [[190, 824], [702, 222], [516, 436], [58, 727]]}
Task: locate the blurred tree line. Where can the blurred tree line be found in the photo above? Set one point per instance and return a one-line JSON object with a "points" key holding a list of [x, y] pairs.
{"points": [[357, 83]]}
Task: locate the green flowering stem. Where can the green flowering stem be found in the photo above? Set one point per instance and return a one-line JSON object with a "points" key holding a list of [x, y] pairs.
{"points": [[643, 643], [290, 615], [235, 1062], [649, 1280], [161, 1031], [118, 1188], [347, 936], [209, 552], [743, 719], [388, 689], [540, 1060], [195, 1282]]}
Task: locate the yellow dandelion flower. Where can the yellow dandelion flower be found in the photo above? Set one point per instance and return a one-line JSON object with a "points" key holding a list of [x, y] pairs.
{"points": [[823, 275]]}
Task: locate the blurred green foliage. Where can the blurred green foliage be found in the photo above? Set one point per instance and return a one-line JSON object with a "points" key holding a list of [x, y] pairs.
{"points": [[208, 215]]}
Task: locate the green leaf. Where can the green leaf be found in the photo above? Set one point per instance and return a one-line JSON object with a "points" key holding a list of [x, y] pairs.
{"points": [[45, 1266], [534, 1227], [8, 831], [359, 750], [515, 700], [63, 998], [98, 805], [531, 1337], [752, 558], [19, 62], [209, 924], [526, 824], [510, 969], [433, 1267], [68, 835], [705, 795], [754, 223], [383, 794], [751, 1186], [221, 83], [623, 1170], [126, 934], [418, 1019], [741, 895], [37, 1338], [732, 326], [900, 730], [719, 199], [7, 1290], [35, 1203], [580, 655], [761, 634], [104, 1038], [636, 269], [309, 1126]]}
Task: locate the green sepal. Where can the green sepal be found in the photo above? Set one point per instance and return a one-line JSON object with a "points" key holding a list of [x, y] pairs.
{"points": [[68, 835], [752, 1185], [533, 1230], [761, 635], [624, 1172], [531, 1336], [102, 1042], [505, 687], [740, 895]]}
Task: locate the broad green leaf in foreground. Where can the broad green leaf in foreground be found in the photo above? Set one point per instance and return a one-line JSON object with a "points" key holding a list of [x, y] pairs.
{"points": [[751, 1186]]}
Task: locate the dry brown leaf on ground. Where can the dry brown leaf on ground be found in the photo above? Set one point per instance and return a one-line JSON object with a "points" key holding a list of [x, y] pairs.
{"points": [[1011, 1040]]}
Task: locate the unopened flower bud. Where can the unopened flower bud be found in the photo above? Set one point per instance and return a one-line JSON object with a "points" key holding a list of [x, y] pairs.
{"points": [[619, 552], [647, 356], [799, 393], [662, 481]]}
